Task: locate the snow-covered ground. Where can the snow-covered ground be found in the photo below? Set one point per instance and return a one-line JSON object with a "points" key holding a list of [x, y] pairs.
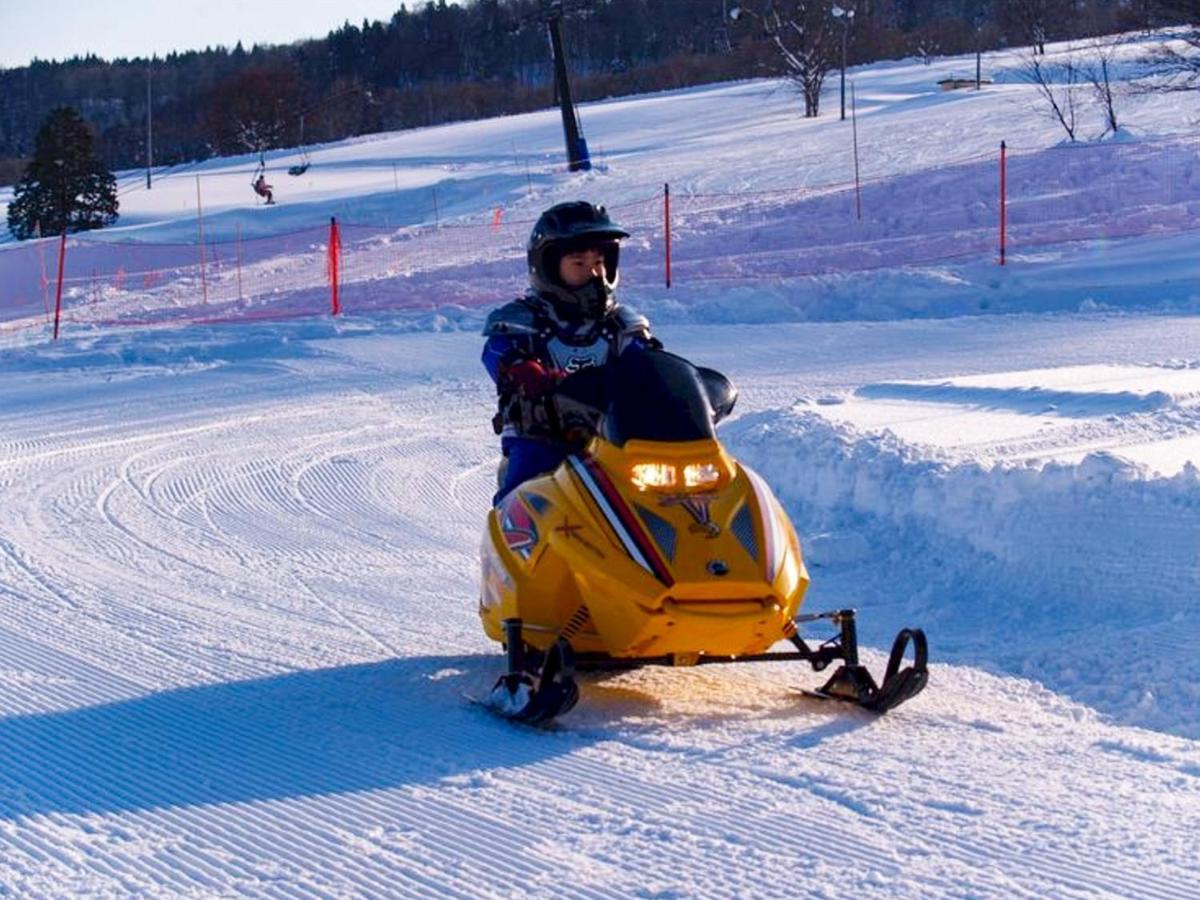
{"points": [[238, 562]]}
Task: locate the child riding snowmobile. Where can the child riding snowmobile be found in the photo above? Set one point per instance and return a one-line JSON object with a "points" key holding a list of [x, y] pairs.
{"points": [[651, 545], [569, 320]]}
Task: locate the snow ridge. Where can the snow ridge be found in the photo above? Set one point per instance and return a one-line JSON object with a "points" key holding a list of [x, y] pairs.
{"points": [[1092, 557]]}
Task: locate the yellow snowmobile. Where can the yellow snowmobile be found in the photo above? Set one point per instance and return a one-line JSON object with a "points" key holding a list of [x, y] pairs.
{"points": [[651, 545]]}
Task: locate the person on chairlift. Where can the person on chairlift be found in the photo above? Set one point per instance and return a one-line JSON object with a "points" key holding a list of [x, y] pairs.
{"points": [[263, 189]]}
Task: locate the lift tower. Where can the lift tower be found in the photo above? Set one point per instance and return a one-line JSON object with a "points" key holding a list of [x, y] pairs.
{"points": [[577, 151]]}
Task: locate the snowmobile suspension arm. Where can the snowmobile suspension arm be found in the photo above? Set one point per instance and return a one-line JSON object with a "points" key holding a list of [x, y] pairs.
{"points": [[850, 681], [600, 662], [844, 647]]}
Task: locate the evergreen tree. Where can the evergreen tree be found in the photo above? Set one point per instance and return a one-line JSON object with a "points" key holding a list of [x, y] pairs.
{"points": [[65, 186]]}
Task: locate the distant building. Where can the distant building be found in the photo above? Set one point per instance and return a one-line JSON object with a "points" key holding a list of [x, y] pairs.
{"points": [[956, 84]]}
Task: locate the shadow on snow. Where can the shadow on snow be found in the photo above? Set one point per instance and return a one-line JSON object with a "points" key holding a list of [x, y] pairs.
{"points": [[361, 727]]}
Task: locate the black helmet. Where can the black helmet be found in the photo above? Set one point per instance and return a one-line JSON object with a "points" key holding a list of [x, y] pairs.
{"points": [[569, 228]]}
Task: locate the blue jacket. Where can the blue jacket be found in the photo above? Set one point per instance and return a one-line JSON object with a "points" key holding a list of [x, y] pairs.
{"points": [[529, 328]]}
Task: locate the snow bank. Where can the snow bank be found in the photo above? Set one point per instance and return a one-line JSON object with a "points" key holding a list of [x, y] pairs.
{"points": [[1097, 561]]}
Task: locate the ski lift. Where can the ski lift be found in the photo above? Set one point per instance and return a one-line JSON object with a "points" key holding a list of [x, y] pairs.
{"points": [[305, 161], [259, 182]]}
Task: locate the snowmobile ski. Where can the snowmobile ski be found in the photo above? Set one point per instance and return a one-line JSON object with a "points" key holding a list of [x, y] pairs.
{"points": [[852, 682], [538, 685]]}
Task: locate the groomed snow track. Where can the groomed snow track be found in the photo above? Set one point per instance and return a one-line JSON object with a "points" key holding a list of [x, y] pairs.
{"points": [[237, 619]]}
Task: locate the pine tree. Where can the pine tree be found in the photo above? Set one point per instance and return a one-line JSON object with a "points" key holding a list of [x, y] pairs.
{"points": [[66, 186]]}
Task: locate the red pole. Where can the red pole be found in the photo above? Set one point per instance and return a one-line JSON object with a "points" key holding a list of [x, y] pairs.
{"points": [[62, 255], [335, 253], [667, 228], [1003, 201]]}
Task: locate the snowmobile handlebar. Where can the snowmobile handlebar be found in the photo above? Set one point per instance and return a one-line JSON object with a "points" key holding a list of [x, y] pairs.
{"points": [[590, 394]]}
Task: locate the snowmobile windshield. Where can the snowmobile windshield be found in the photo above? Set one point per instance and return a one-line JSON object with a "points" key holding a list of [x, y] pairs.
{"points": [[658, 396]]}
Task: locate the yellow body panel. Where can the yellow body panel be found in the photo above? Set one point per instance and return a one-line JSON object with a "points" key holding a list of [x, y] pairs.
{"points": [[584, 554]]}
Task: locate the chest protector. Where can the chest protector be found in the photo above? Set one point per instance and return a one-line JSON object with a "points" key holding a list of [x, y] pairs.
{"points": [[532, 331], [570, 356]]}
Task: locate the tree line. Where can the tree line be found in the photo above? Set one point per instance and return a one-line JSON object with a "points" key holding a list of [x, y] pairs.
{"points": [[441, 62]]}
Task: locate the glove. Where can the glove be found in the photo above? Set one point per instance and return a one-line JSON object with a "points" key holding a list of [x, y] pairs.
{"points": [[530, 378]]}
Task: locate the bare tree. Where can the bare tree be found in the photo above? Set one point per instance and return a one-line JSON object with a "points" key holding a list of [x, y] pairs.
{"points": [[1058, 85], [1097, 68], [805, 37], [927, 48], [254, 110], [1179, 65], [1176, 11], [1139, 14], [1032, 20]]}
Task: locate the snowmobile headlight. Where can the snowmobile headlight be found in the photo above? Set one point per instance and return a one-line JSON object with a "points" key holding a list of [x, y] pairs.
{"points": [[653, 475], [701, 475]]}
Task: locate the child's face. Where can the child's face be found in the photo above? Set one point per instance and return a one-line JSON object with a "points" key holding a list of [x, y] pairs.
{"points": [[576, 269]]}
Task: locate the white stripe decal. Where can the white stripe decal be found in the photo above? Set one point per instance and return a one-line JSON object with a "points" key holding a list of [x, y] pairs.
{"points": [[772, 530], [601, 501]]}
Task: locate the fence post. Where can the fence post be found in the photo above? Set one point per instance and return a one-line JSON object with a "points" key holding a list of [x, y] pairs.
{"points": [[854, 129], [1003, 201], [200, 227], [335, 255], [667, 228], [37, 233], [241, 296], [62, 255]]}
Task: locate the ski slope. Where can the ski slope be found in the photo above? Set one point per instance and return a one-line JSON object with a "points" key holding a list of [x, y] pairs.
{"points": [[238, 573]]}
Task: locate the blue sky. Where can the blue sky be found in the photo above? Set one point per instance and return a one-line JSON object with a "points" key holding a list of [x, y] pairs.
{"points": [[58, 29]]}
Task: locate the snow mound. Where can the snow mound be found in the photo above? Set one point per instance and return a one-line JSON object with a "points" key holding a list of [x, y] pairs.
{"points": [[1055, 570]]}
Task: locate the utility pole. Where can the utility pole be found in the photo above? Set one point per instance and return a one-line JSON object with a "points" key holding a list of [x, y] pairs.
{"points": [[149, 120], [845, 17], [577, 152], [978, 52]]}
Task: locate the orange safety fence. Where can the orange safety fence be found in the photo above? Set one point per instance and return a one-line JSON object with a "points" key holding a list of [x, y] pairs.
{"points": [[1053, 196]]}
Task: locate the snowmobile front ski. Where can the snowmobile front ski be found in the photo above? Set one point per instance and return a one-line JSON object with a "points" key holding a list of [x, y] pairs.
{"points": [[538, 685], [851, 681]]}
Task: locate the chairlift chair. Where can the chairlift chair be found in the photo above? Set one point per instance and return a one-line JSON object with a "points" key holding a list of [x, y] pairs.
{"points": [[305, 161]]}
